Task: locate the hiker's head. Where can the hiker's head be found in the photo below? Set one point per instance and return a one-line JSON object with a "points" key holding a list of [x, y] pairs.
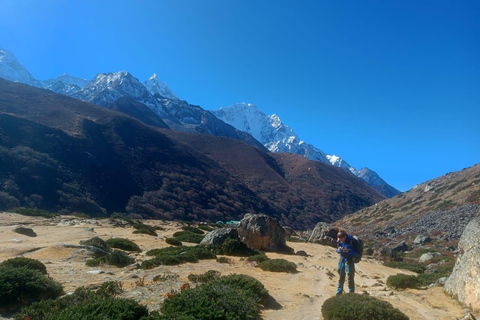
{"points": [[342, 235]]}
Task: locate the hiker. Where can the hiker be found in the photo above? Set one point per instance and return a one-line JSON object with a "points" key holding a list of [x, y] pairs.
{"points": [[346, 266]]}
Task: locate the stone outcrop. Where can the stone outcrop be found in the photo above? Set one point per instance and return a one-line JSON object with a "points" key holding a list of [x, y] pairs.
{"points": [[324, 234], [218, 236], [464, 282], [25, 231], [261, 232]]}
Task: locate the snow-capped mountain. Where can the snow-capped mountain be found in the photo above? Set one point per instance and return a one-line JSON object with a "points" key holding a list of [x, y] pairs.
{"points": [[65, 84], [157, 86], [278, 137], [11, 69], [269, 130], [107, 88]]}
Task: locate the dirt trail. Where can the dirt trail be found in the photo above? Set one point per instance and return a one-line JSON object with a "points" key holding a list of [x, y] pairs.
{"points": [[296, 296]]}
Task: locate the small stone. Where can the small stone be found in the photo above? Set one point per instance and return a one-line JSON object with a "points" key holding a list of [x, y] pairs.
{"points": [[89, 229], [95, 272]]}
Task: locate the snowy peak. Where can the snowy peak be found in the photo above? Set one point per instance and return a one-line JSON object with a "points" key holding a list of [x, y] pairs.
{"points": [[65, 84], [269, 130], [157, 86], [11, 69]]}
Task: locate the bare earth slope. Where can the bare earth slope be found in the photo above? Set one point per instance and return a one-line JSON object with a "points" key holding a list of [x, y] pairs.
{"points": [[294, 296]]}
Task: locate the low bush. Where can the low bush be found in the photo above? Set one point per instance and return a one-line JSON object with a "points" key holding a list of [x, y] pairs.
{"points": [[355, 306], [24, 262], [235, 247], [254, 288], [84, 304], [95, 262], [211, 301], [206, 228], [257, 258], [177, 255], [119, 259], [278, 265], [96, 242], [173, 242], [144, 229], [111, 288], [223, 260], [192, 229], [33, 212], [188, 236], [20, 286], [403, 281], [124, 244], [411, 266]]}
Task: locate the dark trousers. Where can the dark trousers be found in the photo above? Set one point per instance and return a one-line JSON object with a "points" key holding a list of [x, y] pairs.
{"points": [[346, 269]]}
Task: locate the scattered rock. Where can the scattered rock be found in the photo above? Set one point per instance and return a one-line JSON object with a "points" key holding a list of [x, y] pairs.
{"points": [[421, 240], [95, 272], [324, 234], [90, 229], [25, 231], [261, 232], [428, 256], [218, 236], [302, 253], [16, 240]]}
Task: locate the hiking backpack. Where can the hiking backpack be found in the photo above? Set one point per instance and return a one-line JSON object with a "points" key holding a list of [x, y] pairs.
{"points": [[357, 244]]}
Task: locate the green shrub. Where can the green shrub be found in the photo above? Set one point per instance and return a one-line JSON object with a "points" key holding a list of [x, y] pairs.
{"points": [[257, 258], [24, 262], [211, 301], [223, 260], [85, 304], [235, 247], [411, 266], [254, 288], [96, 242], [278, 265], [188, 236], [207, 277], [153, 252], [144, 229], [173, 242], [119, 259], [177, 255], [33, 212], [192, 229], [354, 306], [124, 244], [403, 281], [111, 288], [22, 286], [95, 262], [205, 228]]}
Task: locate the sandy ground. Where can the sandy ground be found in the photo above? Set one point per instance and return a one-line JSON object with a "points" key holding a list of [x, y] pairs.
{"points": [[296, 296]]}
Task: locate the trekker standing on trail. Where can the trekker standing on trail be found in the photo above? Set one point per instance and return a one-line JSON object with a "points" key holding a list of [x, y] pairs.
{"points": [[346, 266]]}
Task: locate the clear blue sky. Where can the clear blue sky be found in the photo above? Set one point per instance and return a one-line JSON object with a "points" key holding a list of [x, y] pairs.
{"points": [[391, 85]]}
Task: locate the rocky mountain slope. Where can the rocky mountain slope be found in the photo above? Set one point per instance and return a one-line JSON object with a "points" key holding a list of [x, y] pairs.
{"points": [[278, 137], [440, 208], [59, 153]]}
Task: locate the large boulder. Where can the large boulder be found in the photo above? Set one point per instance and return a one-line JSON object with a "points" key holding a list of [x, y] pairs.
{"points": [[218, 236], [324, 234], [261, 232], [464, 282]]}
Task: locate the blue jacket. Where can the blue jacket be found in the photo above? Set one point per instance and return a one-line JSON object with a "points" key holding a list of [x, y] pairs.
{"points": [[348, 243]]}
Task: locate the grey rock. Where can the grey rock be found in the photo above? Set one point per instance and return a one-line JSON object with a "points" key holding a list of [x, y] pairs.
{"points": [[324, 234], [428, 256], [261, 232], [421, 239], [464, 282], [25, 231], [218, 236], [302, 253], [90, 229], [95, 272]]}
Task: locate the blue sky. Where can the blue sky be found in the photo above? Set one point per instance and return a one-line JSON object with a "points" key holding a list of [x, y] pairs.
{"points": [[391, 85]]}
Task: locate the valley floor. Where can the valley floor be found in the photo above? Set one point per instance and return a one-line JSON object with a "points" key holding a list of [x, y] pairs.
{"points": [[296, 296]]}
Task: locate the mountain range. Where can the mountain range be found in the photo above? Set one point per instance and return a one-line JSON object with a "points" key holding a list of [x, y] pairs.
{"points": [[241, 121], [63, 154]]}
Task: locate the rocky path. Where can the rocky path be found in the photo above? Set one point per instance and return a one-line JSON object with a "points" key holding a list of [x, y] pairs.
{"points": [[296, 296]]}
